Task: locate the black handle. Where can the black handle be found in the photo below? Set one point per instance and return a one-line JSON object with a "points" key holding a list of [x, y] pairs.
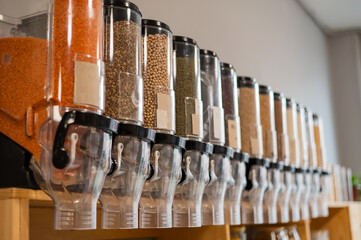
{"points": [[60, 155]]}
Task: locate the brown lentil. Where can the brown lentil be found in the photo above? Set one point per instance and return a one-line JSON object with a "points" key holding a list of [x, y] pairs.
{"points": [[123, 97]]}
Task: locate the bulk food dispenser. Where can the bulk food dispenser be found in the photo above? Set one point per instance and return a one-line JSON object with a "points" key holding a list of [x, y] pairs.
{"points": [[322, 165], [213, 129], [52, 77], [284, 157], [124, 102], [304, 162], [270, 151], [159, 113], [312, 156], [189, 124], [232, 203], [251, 139], [297, 177]]}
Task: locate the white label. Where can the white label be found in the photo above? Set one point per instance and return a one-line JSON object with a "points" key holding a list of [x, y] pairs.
{"points": [[196, 124], [87, 84], [162, 119], [164, 111], [217, 126], [197, 106], [233, 134]]}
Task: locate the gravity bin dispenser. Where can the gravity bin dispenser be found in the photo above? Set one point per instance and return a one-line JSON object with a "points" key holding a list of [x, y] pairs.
{"points": [[155, 206], [270, 152], [213, 129], [232, 202], [59, 130], [124, 101], [252, 143], [283, 156], [187, 200]]}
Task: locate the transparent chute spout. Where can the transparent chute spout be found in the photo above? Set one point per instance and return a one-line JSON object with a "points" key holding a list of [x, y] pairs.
{"points": [[272, 193], [305, 196], [284, 198], [315, 193], [295, 200], [323, 196]]}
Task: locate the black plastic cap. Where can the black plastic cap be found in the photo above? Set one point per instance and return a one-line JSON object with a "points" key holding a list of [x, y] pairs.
{"points": [[289, 168], [317, 171], [207, 52], [144, 133], [299, 106], [241, 156], [300, 170], [265, 162], [276, 165], [199, 146], [263, 89], [169, 139], [155, 23], [325, 173], [227, 151], [226, 65], [278, 96], [184, 39], [315, 117], [122, 3], [290, 102], [244, 81]]}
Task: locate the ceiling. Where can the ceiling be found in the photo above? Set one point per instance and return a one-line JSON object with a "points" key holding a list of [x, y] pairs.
{"points": [[334, 15]]}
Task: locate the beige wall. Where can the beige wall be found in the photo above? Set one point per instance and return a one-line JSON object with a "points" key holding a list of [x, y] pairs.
{"points": [[274, 41], [345, 56]]}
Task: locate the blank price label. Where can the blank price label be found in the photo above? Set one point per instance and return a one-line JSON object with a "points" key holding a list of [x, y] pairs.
{"points": [[164, 111], [217, 122], [196, 124], [233, 133]]}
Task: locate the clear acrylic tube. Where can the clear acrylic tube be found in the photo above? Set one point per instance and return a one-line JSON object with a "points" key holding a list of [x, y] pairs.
{"points": [[323, 196], [285, 194], [272, 193], [305, 197], [315, 193], [295, 199]]}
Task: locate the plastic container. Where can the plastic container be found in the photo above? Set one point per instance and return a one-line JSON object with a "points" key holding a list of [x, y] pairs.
{"points": [[214, 193], [159, 97], [155, 207], [123, 64], [249, 110], [288, 186], [124, 184], [305, 196], [281, 128], [232, 203], [301, 125], [320, 142], [187, 201], [268, 123], [187, 86], [295, 198], [211, 86], [312, 153], [252, 197], [323, 197], [272, 193], [292, 130], [230, 106], [315, 193]]}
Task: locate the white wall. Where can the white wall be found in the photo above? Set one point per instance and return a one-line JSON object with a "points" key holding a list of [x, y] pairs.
{"points": [[274, 41], [345, 56]]}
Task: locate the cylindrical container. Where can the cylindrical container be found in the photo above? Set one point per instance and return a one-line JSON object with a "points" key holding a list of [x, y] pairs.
{"points": [[124, 184], [187, 203], [187, 86], [155, 206], [302, 137], [230, 106], [281, 128], [312, 153], [159, 97], [211, 86], [268, 123], [232, 210], [214, 193], [123, 61], [249, 110], [292, 131], [320, 142]]}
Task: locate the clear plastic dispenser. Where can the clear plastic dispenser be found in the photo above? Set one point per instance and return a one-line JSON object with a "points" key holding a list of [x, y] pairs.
{"points": [[283, 156], [304, 163], [322, 165], [124, 183], [251, 140], [123, 59], [314, 171], [211, 87], [159, 97], [155, 207], [292, 130], [270, 152], [187, 201], [230, 106], [238, 181], [214, 193], [187, 87], [52, 97]]}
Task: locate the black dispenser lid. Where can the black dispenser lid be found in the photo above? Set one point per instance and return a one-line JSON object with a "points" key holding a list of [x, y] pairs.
{"points": [[169, 139], [122, 3], [155, 23], [241, 156], [227, 151], [199, 146], [136, 131], [184, 39]]}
